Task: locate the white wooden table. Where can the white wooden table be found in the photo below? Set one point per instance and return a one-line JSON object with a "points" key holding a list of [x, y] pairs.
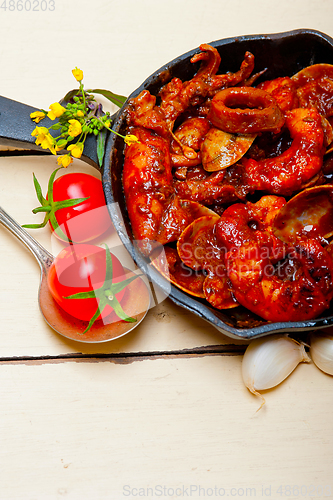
{"points": [[161, 412]]}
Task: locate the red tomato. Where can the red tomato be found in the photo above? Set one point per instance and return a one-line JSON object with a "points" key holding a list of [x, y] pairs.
{"points": [[81, 268], [87, 220]]}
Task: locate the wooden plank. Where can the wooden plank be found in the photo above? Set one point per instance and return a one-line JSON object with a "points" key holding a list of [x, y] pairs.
{"points": [[105, 430], [128, 426]]}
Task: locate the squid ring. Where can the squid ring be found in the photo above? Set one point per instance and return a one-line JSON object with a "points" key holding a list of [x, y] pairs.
{"points": [[245, 110]]}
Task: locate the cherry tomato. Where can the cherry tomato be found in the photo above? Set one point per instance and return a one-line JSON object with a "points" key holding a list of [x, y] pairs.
{"points": [[89, 219], [82, 268]]}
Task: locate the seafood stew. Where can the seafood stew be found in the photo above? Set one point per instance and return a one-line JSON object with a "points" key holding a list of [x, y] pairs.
{"points": [[259, 59]]}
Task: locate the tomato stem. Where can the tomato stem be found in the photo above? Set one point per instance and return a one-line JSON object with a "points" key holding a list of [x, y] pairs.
{"points": [[107, 293], [50, 206]]}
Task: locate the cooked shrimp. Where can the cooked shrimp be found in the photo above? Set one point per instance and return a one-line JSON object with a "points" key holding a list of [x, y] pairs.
{"points": [[251, 224], [289, 172], [301, 288], [283, 90]]}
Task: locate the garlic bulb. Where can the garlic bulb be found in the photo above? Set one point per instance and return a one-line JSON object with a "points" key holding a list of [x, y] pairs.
{"points": [[321, 350], [269, 360]]}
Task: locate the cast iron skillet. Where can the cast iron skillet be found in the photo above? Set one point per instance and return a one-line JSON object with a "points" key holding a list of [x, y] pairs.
{"points": [[283, 54]]}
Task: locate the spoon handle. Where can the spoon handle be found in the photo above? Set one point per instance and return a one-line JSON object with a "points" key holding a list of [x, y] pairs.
{"points": [[44, 258]]}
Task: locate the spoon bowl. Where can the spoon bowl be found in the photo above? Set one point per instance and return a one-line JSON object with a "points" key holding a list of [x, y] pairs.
{"points": [[62, 322]]}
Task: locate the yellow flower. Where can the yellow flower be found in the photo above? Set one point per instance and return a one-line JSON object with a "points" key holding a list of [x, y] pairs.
{"points": [[37, 116], [74, 128], [80, 113], [44, 139], [38, 131], [64, 160], [131, 139], [78, 74], [56, 111], [107, 123], [76, 149]]}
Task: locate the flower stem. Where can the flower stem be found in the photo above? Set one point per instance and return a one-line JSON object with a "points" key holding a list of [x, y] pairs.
{"points": [[83, 95], [110, 129]]}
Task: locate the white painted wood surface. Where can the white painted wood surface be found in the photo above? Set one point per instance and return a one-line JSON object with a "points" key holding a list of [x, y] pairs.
{"points": [[101, 430], [78, 422]]}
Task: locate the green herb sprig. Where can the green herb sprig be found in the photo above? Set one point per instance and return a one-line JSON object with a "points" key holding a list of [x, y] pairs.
{"points": [[77, 115]]}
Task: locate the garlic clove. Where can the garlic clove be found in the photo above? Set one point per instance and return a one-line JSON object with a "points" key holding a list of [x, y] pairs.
{"points": [[269, 360], [321, 351]]}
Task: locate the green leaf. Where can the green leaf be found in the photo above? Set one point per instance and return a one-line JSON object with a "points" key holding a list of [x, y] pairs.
{"points": [[39, 193], [93, 319], [57, 229], [109, 266], [116, 99], [70, 95], [41, 209], [50, 185], [101, 139], [120, 312], [82, 295], [56, 126], [35, 226], [118, 287], [68, 203]]}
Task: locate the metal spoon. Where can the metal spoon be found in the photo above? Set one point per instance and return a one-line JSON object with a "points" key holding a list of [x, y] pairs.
{"points": [[65, 324]]}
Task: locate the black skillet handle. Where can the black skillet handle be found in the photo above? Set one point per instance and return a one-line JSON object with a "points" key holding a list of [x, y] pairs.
{"points": [[16, 127]]}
